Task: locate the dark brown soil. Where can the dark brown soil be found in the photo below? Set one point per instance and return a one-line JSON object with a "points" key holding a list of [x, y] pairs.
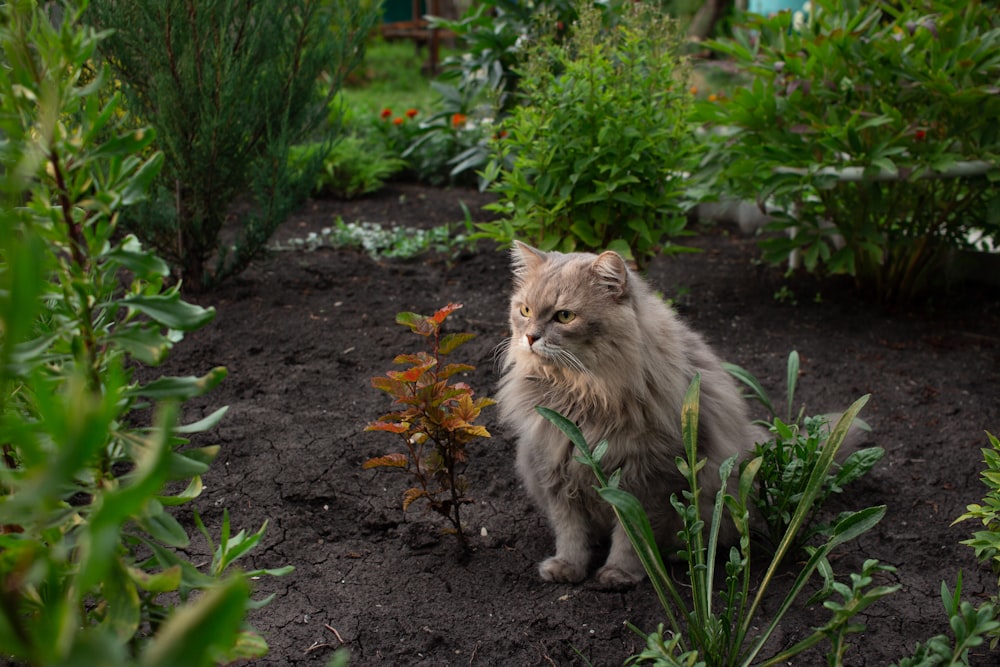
{"points": [[303, 332]]}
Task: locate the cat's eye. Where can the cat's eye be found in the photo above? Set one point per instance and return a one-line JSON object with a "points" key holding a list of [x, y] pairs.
{"points": [[565, 316], [525, 311]]}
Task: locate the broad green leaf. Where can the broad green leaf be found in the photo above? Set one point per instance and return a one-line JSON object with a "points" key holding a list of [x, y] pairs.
{"points": [[206, 424], [138, 184], [122, 599], [164, 581], [182, 388], [170, 311], [130, 254], [198, 633], [162, 526], [143, 341]]}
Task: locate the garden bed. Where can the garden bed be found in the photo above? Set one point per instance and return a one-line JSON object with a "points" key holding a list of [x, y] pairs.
{"points": [[303, 332]]}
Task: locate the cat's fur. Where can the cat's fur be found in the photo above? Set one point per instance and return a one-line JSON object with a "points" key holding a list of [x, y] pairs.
{"points": [[619, 368]]}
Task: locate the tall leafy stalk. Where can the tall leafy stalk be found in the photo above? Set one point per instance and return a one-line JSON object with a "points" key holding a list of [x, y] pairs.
{"points": [[716, 626], [90, 570]]}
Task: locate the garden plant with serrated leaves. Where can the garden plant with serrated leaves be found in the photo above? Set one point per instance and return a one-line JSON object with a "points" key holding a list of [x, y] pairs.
{"points": [[435, 421]]}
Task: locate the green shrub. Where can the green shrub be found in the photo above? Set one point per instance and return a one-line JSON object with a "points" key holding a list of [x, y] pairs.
{"points": [[90, 571], [717, 624], [594, 156], [853, 126], [229, 88]]}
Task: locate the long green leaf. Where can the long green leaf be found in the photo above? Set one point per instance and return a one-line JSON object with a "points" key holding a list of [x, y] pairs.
{"points": [[169, 310], [812, 490], [196, 635]]}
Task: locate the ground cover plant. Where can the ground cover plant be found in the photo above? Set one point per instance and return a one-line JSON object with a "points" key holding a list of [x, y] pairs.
{"points": [[789, 459], [91, 558], [435, 419], [865, 131]]}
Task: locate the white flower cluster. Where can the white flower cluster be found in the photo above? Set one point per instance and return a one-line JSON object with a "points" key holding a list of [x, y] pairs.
{"points": [[377, 241]]}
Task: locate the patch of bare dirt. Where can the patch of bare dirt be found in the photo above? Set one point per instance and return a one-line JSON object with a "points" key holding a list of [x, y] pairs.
{"points": [[303, 332]]}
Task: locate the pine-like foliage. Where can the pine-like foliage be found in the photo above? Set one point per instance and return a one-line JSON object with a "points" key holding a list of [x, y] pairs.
{"points": [[229, 86]]}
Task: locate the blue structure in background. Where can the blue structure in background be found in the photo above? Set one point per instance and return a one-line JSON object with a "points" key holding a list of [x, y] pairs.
{"points": [[767, 7]]}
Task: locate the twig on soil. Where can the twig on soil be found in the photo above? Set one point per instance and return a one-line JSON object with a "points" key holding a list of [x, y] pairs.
{"points": [[334, 631], [316, 645]]}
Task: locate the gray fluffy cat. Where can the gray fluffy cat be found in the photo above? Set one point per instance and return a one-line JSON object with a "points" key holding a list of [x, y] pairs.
{"points": [[591, 341]]}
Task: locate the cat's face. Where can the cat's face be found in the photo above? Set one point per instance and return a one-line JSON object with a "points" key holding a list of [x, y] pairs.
{"points": [[566, 309]]}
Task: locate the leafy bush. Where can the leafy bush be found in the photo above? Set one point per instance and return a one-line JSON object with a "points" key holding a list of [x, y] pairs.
{"points": [[789, 459], [229, 87], [90, 571], [594, 156], [479, 86], [856, 127], [716, 627], [353, 167], [435, 421]]}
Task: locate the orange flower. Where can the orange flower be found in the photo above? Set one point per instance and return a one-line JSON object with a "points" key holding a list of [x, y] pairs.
{"points": [[713, 97], [410, 113], [693, 90], [457, 120], [386, 113], [398, 120]]}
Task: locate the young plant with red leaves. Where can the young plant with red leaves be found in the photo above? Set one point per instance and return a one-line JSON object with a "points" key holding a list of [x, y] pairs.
{"points": [[434, 420]]}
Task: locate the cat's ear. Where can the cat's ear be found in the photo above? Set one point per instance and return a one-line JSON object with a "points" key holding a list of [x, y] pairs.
{"points": [[609, 271], [524, 259]]}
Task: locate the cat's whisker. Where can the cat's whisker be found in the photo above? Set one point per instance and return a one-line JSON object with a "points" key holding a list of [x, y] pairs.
{"points": [[501, 355], [571, 361]]}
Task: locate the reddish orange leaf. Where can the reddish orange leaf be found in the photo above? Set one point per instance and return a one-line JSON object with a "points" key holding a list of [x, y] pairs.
{"points": [[443, 313], [395, 460], [411, 495], [391, 427], [413, 374]]}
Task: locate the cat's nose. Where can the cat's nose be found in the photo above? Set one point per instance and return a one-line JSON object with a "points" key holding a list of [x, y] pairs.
{"points": [[531, 339]]}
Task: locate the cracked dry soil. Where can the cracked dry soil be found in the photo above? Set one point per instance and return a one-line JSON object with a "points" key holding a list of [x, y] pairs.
{"points": [[302, 333]]}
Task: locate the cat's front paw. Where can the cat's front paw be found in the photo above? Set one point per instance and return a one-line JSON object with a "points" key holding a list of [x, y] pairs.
{"points": [[561, 571], [617, 578]]}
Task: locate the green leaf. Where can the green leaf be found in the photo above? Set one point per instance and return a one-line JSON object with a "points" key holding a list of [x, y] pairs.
{"points": [[130, 254], [137, 187], [197, 634], [142, 341], [170, 311], [193, 490], [122, 599], [205, 424], [449, 342], [165, 581], [182, 388], [163, 527]]}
